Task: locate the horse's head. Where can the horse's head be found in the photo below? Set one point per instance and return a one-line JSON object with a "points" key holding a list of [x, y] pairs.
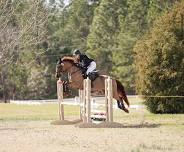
{"points": [[59, 68], [63, 65]]}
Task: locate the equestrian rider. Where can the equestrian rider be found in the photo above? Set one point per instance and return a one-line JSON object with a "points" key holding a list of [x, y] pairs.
{"points": [[84, 62]]}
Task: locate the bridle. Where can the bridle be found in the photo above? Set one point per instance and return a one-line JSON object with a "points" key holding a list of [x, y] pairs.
{"points": [[69, 74]]}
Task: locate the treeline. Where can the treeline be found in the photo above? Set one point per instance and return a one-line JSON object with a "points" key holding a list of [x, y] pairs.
{"points": [[107, 30], [34, 33], [23, 38]]}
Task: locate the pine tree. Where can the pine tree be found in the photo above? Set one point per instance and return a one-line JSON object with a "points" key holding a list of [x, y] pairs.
{"points": [[157, 7], [75, 32], [68, 28], [133, 25], [103, 32]]}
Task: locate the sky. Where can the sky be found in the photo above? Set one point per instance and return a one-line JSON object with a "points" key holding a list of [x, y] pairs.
{"points": [[66, 2]]}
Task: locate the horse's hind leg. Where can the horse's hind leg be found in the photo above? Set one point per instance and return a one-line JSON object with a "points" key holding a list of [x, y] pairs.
{"points": [[122, 106], [120, 102]]}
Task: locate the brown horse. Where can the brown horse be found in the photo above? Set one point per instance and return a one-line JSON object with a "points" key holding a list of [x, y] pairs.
{"points": [[68, 65]]}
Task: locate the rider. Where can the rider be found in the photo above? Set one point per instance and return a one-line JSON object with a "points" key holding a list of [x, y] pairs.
{"points": [[84, 61]]}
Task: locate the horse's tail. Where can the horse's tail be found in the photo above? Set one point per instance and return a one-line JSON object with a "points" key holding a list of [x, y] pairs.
{"points": [[121, 91]]}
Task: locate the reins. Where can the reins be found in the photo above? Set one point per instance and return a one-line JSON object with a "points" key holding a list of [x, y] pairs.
{"points": [[74, 71]]}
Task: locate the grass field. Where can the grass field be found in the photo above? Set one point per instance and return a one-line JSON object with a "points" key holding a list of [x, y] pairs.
{"points": [[34, 112], [50, 112], [27, 128]]}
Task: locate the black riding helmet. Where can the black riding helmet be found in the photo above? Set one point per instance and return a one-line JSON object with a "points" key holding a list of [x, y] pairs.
{"points": [[77, 52]]}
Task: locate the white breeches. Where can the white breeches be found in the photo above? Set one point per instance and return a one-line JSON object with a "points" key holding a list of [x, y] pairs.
{"points": [[91, 67]]}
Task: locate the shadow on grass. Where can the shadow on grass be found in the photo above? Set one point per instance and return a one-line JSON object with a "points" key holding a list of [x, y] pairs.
{"points": [[117, 125], [66, 122], [8, 129]]}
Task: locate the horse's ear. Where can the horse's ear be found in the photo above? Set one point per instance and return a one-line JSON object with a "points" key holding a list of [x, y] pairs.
{"points": [[59, 61]]}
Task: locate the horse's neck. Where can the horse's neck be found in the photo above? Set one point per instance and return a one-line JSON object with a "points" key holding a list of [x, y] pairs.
{"points": [[75, 73], [75, 77], [73, 69]]}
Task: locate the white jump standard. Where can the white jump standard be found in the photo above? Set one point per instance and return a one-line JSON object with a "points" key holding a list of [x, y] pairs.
{"points": [[86, 96], [85, 100], [109, 99], [60, 99]]}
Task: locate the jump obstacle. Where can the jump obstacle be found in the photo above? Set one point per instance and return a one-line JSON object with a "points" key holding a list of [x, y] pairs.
{"points": [[85, 100], [60, 99]]}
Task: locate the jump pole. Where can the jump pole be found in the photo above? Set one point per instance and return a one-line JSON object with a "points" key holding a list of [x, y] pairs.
{"points": [[60, 99], [87, 101], [81, 103], [108, 99]]}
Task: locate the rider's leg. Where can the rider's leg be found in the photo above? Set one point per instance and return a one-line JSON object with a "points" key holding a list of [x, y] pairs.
{"points": [[91, 67]]}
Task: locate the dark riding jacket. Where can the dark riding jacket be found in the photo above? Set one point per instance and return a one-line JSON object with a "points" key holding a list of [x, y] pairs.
{"points": [[84, 61]]}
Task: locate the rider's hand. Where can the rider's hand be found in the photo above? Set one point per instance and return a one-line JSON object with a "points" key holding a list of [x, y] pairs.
{"points": [[76, 60]]}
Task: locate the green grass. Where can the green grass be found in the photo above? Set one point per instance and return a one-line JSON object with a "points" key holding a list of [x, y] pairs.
{"points": [[34, 112], [50, 112]]}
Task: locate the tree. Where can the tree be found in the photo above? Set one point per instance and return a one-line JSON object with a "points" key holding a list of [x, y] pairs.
{"points": [[132, 26], [103, 32], [76, 27], [159, 63], [22, 33], [157, 7]]}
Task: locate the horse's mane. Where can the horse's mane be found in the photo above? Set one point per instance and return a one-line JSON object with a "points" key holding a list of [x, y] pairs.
{"points": [[68, 59]]}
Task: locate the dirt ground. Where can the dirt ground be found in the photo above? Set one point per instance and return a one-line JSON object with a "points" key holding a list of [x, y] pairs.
{"points": [[41, 136]]}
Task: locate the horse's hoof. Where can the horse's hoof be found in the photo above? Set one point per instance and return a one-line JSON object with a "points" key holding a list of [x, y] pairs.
{"points": [[126, 110]]}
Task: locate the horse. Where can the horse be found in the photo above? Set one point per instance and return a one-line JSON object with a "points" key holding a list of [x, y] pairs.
{"points": [[68, 65]]}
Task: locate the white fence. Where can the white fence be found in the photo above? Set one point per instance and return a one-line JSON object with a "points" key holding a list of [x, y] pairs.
{"points": [[96, 102]]}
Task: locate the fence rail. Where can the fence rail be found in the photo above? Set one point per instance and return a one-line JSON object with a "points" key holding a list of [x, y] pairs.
{"points": [[96, 100]]}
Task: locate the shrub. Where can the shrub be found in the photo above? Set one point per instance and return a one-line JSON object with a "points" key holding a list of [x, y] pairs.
{"points": [[159, 63]]}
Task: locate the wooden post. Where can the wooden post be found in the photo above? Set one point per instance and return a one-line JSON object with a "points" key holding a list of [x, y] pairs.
{"points": [[106, 101], [60, 99], [84, 101], [88, 100], [110, 100], [80, 103]]}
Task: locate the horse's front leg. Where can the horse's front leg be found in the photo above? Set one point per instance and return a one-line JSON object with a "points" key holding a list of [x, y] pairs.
{"points": [[67, 86]]}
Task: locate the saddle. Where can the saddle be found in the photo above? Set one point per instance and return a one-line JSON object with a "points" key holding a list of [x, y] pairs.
{"points": [[93, 75]]}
